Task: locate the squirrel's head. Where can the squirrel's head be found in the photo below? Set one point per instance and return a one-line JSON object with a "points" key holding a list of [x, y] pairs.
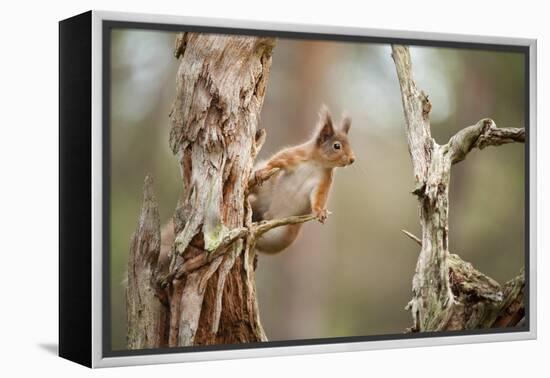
{"points": [[332, 143]]}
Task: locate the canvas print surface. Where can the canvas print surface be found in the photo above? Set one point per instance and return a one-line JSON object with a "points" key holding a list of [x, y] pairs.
{"points": [[286, 189]]}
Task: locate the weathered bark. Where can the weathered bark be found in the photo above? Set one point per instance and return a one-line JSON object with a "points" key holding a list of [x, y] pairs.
{"points": [[220, 89], [448, 293], [199, 281], [206, 284], [147, 315]]}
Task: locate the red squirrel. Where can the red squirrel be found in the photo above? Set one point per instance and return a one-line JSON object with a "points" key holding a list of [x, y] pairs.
{"points": [[303, 182], [300, 187]]}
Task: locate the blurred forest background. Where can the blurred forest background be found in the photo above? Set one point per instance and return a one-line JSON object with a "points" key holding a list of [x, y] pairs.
{"points": [[351, 276]]}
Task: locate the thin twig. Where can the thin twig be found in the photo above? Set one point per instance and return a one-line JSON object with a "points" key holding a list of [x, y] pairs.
{"points": [[262, 227], [256, 230], [413, 237]]}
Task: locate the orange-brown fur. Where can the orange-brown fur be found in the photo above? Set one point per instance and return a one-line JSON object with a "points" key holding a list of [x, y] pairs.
{"points": [[302, 184]]}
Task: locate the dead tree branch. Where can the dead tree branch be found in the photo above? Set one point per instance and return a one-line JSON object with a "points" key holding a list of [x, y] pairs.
{"points": [[483, 134], [252, 233], [448, 293]]}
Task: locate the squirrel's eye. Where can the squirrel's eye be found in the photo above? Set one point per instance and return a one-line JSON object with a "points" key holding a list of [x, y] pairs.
{"points": [[337, 145]]}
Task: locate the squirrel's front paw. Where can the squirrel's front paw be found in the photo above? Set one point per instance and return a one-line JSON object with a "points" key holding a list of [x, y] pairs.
{"points": [[321, 215]]}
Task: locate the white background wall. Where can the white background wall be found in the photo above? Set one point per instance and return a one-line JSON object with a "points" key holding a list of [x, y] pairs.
{"points": [[29, 175]]}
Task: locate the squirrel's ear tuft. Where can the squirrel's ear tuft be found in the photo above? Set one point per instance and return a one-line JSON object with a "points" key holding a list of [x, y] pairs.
{"points": [[346, 123], [326, 128]]}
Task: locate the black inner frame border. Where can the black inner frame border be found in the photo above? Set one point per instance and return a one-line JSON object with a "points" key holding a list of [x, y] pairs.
{"points": [[109, 25]]}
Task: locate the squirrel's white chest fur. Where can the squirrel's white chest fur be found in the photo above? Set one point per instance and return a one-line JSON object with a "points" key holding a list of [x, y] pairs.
{"points": [[288, 192]]}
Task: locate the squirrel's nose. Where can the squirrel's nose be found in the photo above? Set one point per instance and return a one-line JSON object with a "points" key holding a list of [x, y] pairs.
{"points": [[351, 159]]}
